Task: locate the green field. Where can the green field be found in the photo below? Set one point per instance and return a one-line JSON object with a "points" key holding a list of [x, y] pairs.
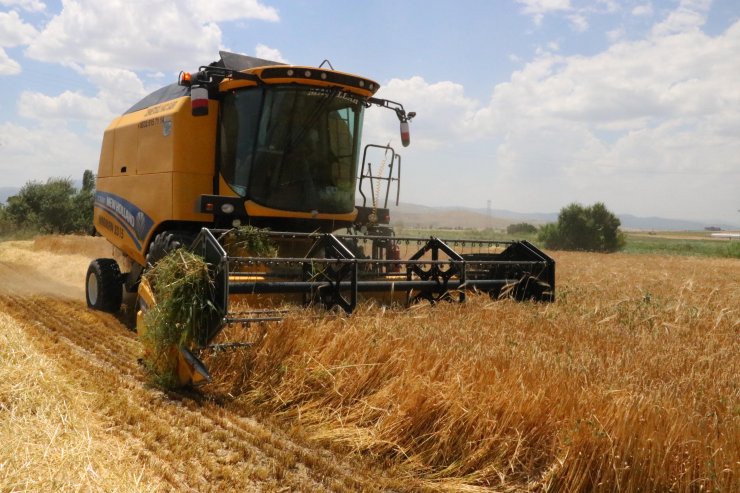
{"points": [[687, 243], [692, 243]]}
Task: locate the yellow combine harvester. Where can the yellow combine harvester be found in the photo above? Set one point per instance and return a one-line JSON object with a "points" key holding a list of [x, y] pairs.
{"points": [[246, 141]]}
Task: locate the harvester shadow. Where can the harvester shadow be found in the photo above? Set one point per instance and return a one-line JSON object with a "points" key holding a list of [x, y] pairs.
{"points": [[127, 314]]}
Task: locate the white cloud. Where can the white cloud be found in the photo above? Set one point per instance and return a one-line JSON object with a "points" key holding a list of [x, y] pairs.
{"points": [[578, 22], [111, 33], [645, 9], [442, 106], [67, 106], [538, 8], [549, 48], [267, 53], [108, 43], [8, 66], [119, 88], [176, 35], [664, 112], [646, 118], [29, 5], [670, 76], [43, 151], [690, 15], [229, 10], [615, 34], [13, 31], [542, 6]]}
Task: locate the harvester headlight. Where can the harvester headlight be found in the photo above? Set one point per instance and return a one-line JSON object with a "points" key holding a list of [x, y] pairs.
{"points": [[227, 208], [323, 75], [236, 223], [290, 72], [307, 73]]}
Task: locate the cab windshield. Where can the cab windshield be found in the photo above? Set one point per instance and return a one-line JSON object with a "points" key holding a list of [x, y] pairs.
{"points": [[292, 148]]}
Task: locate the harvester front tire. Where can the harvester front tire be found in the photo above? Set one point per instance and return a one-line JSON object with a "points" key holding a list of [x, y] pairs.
{"points": [[166, 242], [104, 285]]}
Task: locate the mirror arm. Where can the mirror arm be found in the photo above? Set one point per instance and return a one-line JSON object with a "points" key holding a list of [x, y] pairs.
{"points": [[392, 105], [403, 117]]}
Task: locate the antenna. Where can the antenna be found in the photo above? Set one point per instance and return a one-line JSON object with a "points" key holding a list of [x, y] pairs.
{"points": [[326, 62]]}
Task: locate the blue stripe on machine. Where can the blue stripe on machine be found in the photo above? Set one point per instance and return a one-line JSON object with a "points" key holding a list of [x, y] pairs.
{"points": [[135, 222]]}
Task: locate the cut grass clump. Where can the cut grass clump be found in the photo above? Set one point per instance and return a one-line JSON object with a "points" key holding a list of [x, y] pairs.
{"points": [[249, 241], [182, 315]]}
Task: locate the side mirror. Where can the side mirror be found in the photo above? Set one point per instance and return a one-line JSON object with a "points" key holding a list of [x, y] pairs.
{"points": [[405, 137], [199, 100]]}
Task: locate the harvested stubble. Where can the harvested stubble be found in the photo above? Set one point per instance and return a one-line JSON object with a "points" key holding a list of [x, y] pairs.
{"points": [[628, 383], [52, 436]]}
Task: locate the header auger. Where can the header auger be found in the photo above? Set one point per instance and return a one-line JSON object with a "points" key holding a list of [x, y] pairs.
{"points": [[245, 141]]}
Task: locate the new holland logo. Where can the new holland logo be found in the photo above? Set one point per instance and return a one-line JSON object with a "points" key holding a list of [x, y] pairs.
{"points": [[167, 126], [140, 225]]}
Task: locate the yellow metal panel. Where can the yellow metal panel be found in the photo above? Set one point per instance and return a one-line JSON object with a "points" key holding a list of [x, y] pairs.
{"points": [[125, 147], [186, 191], [105, 165], [171, 139], [155, 144], [194, 140]]}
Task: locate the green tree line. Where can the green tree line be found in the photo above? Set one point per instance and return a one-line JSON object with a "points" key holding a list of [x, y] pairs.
{"points": [[54, 207], [592, 229]]}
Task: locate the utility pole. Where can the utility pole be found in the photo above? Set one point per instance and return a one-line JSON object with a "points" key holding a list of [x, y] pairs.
{"points": [[488, 212]]}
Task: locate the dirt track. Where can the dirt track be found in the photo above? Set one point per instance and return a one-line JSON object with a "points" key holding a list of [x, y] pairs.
{"points": [[181, 442]]}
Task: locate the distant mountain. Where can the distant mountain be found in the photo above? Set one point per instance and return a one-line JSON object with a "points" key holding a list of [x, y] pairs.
{"points": [[6, 192], [411, 215], [422, 216], [663, 224]]}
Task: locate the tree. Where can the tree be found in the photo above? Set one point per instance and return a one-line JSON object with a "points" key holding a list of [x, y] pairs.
{"points": [[593, 229], [520, 228], [84, 203], [6, 226], [53, 207]]}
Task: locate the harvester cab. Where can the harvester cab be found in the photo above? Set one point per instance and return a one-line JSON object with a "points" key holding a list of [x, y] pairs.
{"points": [[275, 147]]}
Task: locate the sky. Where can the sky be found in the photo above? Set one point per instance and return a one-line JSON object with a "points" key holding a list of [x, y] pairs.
{"points": [[529, 104]]}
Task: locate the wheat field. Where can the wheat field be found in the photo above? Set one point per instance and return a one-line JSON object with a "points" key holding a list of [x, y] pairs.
{"points": [[628, 382]]}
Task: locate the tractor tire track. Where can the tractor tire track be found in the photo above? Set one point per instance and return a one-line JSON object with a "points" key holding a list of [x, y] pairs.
{"points": [[189, 441]]}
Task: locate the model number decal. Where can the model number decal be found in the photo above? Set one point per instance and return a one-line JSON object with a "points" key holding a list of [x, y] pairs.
{"points": [[161, 108], [152, 122], [110, 226]]}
